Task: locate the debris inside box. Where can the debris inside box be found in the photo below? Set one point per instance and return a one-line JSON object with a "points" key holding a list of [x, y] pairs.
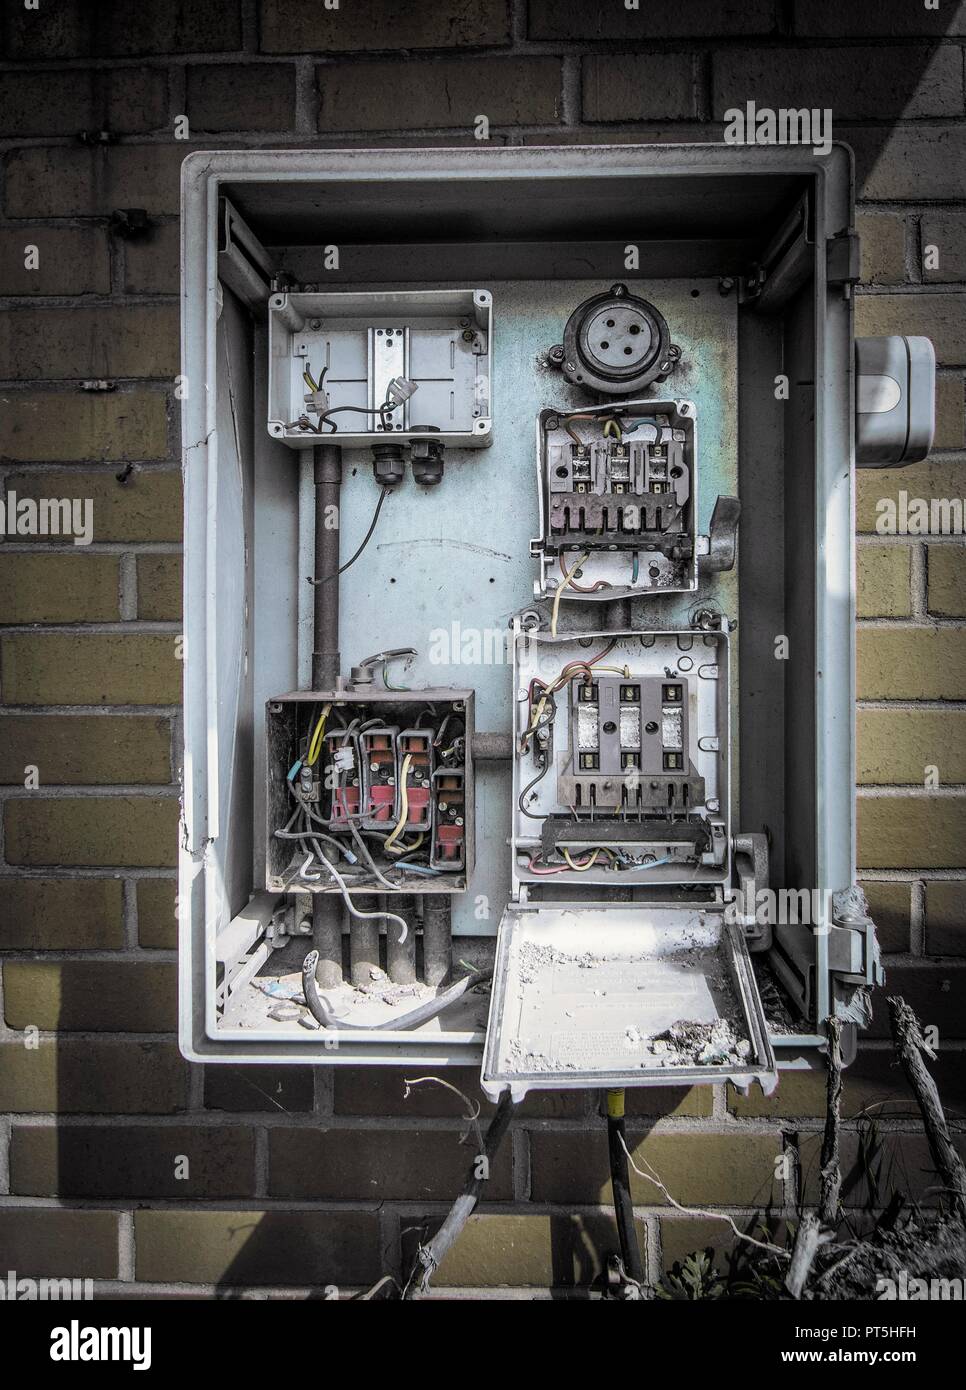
{"points": [[582, 996], [618, 991], [274, 1000]]}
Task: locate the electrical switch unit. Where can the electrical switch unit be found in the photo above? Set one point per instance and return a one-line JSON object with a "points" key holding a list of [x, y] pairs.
{"points": [[360, 366], [617, 500], [539, 798]]}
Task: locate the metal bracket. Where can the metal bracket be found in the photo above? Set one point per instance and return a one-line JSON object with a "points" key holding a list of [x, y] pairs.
{"points": [[751, 866], [243, 263], [843, 255], [723, 537]]}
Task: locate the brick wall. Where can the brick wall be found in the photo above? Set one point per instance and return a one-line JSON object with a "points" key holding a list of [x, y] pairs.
{"points": [[301, 1178]]}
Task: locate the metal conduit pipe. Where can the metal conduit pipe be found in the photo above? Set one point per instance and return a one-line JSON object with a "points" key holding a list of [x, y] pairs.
{"points": [[327, 915], [437, 938], [326, 662], [401, 957], [364, 940]]}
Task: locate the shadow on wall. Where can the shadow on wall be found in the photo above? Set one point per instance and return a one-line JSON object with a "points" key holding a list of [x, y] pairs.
{"points": [[135, 1162]]}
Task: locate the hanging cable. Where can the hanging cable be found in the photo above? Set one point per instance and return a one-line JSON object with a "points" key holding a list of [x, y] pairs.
{"points": [[324, 579], [621, 1188], [413, 1019], [559, 594]]}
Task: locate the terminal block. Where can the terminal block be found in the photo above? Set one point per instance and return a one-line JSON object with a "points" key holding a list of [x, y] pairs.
{"points": [[617, 500], [622, 763], [375, 785]]}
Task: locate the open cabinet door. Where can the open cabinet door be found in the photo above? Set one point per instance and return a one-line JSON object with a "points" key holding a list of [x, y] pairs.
{"points": [[601, 995]]}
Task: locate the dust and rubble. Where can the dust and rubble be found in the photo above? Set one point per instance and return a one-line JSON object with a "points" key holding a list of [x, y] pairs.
{"points": [[685, 1042], [288, 1005], [700, 1045], [777, 1012]]}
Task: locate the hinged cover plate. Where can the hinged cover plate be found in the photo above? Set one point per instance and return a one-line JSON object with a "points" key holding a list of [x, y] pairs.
{"points": [[606, 995]]}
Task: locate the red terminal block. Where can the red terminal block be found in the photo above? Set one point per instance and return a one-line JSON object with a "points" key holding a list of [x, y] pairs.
{"points": [[417, 746], [449, 819], [341, 777], [380, 804]]}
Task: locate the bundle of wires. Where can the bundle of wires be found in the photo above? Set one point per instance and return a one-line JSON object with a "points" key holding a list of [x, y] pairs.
{"points": [[384, 411], [310, 829], [540, 697]]}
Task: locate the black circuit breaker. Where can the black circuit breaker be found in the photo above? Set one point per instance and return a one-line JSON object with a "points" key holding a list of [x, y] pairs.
{"points": [[629, 742]]}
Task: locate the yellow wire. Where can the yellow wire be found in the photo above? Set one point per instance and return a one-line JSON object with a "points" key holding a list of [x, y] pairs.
{"points": [[407, 849], [404, 814], [315, 743], [581, 868], [560, 588], [612, 426]]}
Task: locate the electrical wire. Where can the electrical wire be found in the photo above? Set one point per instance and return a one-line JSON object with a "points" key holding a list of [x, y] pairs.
{"points": [[365, 541], [583, 588], [529, 788], [367, 858], [404, 794], [555, 613], [413, 1019], [587, 864], [315, 742], [387, 406], [351, 907]]}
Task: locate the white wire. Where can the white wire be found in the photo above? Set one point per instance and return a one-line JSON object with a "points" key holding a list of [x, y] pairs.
{"points": [[354, 911]]}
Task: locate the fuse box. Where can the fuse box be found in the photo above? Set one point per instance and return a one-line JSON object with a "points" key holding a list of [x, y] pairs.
{"points": [[380, 782], [534, 761]]}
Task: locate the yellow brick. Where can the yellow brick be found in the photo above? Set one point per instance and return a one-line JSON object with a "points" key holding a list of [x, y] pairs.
{"points": [[45, 914], [95, 669], [97, 996], [540, 1251], [950, 420], [896, 746], [890, 904], [122, 831], [934, 478], [64, 426], [882, 237], [145, 507], [85, 750], [799, 1093], [905, 832], [71, 588], [55, 344], [72, 260], [947, 581], [157, 918], [906, 663], [946, 918], [159, 587], [882, 580]]}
